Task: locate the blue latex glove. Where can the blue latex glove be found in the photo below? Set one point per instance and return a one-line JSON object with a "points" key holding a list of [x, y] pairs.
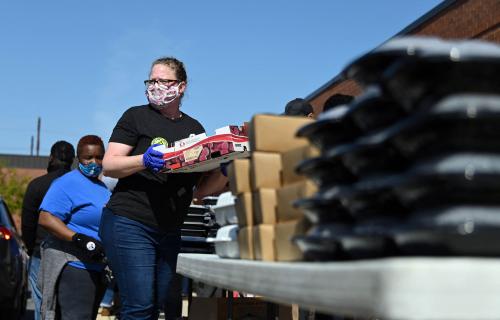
{"points": [[153, 160], [223, 168]]}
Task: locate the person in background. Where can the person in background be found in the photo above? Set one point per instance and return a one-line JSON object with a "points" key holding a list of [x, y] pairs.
{"points": [[336, 100], [299, 107], [62, 155], [71, 273], [140, 226]]}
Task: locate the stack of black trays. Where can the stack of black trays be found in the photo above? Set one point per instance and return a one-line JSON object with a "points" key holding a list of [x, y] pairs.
{"points": [[412, 166], [199, 224]]}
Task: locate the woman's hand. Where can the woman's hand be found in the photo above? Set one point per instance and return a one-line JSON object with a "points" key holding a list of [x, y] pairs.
{"points": [[92, 247], [214, 182], [153, 160]]}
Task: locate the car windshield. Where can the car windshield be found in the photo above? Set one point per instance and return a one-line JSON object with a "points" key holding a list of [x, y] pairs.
{"points": [[5, 219]]}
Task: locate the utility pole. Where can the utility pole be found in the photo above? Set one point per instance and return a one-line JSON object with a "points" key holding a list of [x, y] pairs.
{"points": [[38, 126], [32, 145]]}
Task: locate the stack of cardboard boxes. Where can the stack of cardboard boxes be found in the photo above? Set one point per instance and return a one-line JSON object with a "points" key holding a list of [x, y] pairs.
{"points": [[266, 186]]}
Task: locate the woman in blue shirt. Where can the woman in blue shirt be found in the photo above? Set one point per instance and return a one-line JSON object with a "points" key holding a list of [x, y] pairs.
{"points": [[72, 258]]}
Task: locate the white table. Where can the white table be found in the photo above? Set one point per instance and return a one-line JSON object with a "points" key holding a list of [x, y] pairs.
{"points": [[395, 288]]}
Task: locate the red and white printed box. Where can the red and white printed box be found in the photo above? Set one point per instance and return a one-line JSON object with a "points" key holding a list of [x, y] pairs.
{"points": [[200, 153]]}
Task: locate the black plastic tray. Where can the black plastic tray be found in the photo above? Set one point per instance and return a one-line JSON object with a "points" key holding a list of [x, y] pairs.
{"points": [[325, 172], [359, 201], [459, 230], [194, 232], [324, 207], [367, 156], [356, 246], [413, 82], [331, 128], [455, 178], [321, 242], [462, 122], [374, 110], [369, 68], [449, 178]]}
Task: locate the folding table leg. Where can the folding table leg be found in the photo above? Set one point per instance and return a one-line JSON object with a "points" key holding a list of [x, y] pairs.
{"points": [[190, 292], [229, 305]]}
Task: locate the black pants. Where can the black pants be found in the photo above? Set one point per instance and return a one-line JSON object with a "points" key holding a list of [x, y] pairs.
{"points": [[79, 293]]}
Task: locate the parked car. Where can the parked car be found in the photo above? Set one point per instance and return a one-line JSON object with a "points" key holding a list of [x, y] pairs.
{"points": [[13, 267]]}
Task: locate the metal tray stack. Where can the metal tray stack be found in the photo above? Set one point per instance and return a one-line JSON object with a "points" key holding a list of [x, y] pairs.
{"points": [[412, 166], [199, 224]]}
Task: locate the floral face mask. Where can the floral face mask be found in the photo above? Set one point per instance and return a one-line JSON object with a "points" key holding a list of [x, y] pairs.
{"points": [[160, 95]]}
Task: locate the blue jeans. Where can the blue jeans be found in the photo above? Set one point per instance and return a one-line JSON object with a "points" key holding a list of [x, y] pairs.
{"points": [[36, 295], [143, 261], [107, 300]]}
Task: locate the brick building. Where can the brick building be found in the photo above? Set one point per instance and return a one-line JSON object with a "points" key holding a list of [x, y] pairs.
{"points": [[452, 19]]}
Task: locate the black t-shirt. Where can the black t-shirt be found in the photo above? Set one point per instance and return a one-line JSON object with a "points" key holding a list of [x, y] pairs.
{"points": [[33, 234], [158, 200]]}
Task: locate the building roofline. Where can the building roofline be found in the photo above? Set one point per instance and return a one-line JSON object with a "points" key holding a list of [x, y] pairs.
{"points": [[317, 92], [426, 17], [21, 155], [408, 29]]}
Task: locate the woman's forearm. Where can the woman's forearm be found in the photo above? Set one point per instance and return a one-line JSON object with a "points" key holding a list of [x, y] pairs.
{"points": [[214, 183], [118, 162], [117, 166], [55, 226]]}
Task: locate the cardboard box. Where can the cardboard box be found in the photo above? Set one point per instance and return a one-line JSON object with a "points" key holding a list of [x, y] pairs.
{"points": [[245, 242], [238, 173], [244, 209], [264, 206], [263, 242], [290, 159], [285, 249], [272, 206], [273, 133], [265, 170], [286, 195], [243, 309], [273, 242], [200, 153]]}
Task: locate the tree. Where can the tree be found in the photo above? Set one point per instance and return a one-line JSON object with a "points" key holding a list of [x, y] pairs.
{"points": [[12, 189]]}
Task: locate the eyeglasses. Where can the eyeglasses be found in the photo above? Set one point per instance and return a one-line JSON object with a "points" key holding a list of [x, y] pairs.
{"points": [[165, 82]]}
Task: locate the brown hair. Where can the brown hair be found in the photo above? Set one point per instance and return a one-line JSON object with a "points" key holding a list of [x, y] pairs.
{"points": [[174, 64], [88, 140]]}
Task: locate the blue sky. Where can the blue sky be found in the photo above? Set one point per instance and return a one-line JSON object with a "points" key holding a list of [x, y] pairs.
{"points": [[80, 64]]}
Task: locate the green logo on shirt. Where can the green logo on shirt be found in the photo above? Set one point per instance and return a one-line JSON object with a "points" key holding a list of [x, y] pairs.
{"points": [[159, 140]]}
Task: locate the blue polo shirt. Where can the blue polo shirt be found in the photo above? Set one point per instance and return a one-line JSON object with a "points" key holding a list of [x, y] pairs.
{"points": [[78, 201]]}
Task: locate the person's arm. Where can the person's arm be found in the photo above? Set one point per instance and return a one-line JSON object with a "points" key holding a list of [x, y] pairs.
{"points": [[29, 218], [118, 164], [212, 183], [55, 226], [91, 246]]}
